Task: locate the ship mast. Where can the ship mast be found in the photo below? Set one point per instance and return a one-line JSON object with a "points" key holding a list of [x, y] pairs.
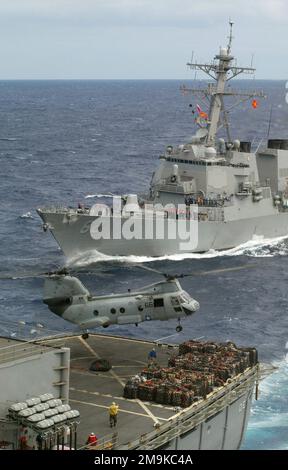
{"points": [[222, 69]]}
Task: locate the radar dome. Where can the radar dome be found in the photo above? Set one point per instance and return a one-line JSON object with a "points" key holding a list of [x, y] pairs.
{"points": [[210, 152], [236, 144], [221, 145], [131, 203], [99, 209]]}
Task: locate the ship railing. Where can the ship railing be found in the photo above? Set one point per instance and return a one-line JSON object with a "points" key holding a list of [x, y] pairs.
{"points": [[66, 209], [208, 202], [190, 418], [21, 351], [108, 442], [258, 144], [55, 208], [171, 188]]}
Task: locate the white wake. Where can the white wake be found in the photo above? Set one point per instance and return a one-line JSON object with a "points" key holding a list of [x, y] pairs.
{"points": [[271, 410], [92, 196]]}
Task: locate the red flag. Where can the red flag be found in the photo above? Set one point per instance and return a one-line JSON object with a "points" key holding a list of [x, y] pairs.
{"points": [[201, 113], [254, 104]]}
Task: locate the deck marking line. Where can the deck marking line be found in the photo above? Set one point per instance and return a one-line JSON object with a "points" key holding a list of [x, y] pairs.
{"points": [[122, 411], [87, 346], [111, 372], [131, 400]]}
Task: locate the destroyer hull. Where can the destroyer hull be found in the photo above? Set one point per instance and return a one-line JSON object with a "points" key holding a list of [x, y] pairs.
{"points": [[74, 237]]}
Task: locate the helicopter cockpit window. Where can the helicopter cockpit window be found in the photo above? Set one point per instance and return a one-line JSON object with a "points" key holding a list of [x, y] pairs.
{"points": [[175, 301], [113, 310], [185, 297], [178, 309], [95, 313], [158, 303]]}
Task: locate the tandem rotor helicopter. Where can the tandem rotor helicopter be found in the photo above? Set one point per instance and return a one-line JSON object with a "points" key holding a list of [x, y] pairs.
{"points": [[66, 296]]}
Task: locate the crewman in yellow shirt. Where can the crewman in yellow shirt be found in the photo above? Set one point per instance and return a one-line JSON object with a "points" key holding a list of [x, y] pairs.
{"points": [[113, 412]]}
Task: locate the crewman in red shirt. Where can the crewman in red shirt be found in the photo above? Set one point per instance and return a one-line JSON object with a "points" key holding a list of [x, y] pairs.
{"points": [[92, 439]]}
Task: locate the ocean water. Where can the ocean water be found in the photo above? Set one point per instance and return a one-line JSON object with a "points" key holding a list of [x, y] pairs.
{"points": [[65, 142]]}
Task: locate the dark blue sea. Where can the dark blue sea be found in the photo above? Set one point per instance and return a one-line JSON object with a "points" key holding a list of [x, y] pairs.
{"points": [[61, 141]]}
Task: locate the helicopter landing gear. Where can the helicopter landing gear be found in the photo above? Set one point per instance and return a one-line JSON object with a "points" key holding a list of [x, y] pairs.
{"points": [[85, 336], [179, 327]]}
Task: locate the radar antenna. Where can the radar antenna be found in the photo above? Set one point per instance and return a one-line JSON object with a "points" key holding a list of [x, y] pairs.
{"points": [[230, 37], [222, 69]]}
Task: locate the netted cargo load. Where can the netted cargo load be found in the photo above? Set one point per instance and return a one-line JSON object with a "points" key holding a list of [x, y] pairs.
{"points": [[130, 391], [224, 360], [223, 349], [150, 373], [146, 391], [176, 397], [161, 394], [252, 355], [188, 398], [189, 346], [192, 374]]}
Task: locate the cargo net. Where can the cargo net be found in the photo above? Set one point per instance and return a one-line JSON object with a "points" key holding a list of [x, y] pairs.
{"points": [[197, 370]]}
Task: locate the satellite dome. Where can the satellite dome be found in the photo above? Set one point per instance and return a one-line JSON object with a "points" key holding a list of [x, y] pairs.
{"points": [[210, 152]]}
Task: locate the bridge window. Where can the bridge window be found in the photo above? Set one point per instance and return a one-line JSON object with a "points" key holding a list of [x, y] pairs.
{"points": [[113, 310], [158, 303]]}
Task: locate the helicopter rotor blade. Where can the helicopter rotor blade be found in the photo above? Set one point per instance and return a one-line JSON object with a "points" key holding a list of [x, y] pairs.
{"points": [[23, 276], [169, 276], [216, 271], [64, 271], [151, 269], [33, 275], [196, 273]]}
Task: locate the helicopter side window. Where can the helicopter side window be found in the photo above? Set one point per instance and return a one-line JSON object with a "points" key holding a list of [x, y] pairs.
{"points": [[158, 303], [113, 310], [95, 313]]}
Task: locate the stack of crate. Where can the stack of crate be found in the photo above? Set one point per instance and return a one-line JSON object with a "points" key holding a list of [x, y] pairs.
{"points": [[192, 374]]}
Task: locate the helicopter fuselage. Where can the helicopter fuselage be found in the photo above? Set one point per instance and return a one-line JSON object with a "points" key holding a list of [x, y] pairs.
{"points": [[67, 297]]}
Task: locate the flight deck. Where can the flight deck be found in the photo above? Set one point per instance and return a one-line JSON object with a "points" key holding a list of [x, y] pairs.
{"points": [[93, 392], [142, 424]]}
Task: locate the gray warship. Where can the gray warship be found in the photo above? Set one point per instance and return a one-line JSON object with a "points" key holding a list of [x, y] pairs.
{"points": [[231, 193]]}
